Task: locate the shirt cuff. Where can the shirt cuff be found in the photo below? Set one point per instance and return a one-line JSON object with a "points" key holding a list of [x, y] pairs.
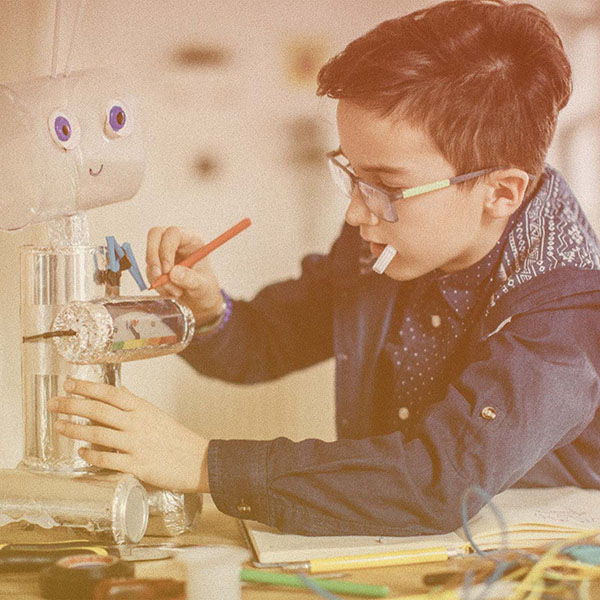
{"points": [[237, 476]]}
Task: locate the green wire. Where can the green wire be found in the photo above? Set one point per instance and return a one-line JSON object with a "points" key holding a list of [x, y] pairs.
{"points": [[342, 587]]}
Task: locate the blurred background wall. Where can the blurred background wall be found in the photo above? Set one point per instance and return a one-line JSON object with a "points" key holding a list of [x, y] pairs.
{"points": [[234, 129]]}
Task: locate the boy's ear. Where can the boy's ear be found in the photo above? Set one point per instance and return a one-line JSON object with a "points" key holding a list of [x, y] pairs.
{"points": [[505, 192]]}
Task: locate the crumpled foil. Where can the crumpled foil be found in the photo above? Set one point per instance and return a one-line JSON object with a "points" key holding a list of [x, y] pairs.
{"points": [[73, 230], [171, 513]]}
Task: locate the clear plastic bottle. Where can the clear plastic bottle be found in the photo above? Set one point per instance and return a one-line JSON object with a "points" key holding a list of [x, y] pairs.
{"points": [[51, 278], [115, 330]]}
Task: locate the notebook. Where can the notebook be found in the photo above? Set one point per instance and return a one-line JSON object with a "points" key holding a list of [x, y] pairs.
{"points": [[532, 517]]}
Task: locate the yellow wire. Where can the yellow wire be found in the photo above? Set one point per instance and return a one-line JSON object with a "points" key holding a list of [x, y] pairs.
{"points": [[533, 583], [530, 585], [445, 595]]}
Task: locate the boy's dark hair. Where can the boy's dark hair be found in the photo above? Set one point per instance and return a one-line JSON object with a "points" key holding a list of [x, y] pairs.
{"points": [[484, 78]]}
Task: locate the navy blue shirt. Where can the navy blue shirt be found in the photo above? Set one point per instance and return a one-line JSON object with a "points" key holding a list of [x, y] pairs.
{"points": [[432, 317], [504, 360]]}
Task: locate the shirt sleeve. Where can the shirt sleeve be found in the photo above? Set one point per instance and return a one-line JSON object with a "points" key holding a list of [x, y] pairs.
{"points": [[529, 389], [286, 327]]}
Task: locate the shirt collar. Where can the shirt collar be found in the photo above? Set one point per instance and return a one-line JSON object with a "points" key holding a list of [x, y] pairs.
{"points": [[462, 288]]}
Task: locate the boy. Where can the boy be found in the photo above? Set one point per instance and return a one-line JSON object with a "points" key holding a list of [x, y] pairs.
{"points": [[472, 360]]}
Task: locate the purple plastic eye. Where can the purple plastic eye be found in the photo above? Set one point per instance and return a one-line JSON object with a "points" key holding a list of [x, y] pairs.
{"points": [[117, 118], [62, 127]]}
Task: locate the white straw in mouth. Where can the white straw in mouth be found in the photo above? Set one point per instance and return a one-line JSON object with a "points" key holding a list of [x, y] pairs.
{"points": [[385, 258]]}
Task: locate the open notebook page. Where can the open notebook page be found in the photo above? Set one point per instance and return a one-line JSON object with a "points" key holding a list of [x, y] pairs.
{"points": [[271, 546], [535, 516], [532, 516]]}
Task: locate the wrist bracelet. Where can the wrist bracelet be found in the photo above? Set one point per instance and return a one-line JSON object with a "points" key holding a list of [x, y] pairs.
{"points": [[217, 324]]}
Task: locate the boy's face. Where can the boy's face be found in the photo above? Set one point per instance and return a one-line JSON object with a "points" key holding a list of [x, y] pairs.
{"points": [[446, 229]]}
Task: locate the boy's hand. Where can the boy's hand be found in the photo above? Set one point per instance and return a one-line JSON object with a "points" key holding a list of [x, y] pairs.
{"points": [[150, 444], [196, 287]]}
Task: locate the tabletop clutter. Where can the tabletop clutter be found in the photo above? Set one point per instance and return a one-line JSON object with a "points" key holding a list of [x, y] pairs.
{"points": [[563, 568]]}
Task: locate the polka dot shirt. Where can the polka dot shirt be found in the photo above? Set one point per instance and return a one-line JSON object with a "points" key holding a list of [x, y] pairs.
{"points": [[422, 348]]}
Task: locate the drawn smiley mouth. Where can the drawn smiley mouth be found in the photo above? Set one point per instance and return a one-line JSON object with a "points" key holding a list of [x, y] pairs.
{"points": [[97, 172]]}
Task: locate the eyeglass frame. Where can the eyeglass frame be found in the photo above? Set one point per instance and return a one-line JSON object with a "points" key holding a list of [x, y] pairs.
{"points": [[406, 192]]}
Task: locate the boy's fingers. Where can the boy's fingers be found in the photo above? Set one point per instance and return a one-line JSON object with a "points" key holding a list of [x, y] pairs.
{"points": [[102, 436], [90, 409], [152, 245], [169, 244], [189, 243], [186, 278], [153, 272], [169, 290], [115, 461], [102, 391], [165, 247]]}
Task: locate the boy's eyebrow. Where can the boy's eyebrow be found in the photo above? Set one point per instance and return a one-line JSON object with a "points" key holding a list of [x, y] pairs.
{"points": [[380, 168]]}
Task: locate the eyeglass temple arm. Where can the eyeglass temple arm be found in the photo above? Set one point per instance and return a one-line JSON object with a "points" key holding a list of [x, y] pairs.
{"points": [[461, 178]]}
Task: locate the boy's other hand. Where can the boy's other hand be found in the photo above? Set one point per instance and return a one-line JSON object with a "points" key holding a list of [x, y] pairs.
{"points": [[148, 442]]}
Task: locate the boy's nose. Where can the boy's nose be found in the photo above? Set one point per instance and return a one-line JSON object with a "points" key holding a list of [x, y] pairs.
{"points": [[358, 213]]}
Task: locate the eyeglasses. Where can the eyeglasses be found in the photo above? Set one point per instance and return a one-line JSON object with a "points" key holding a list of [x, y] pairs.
{"points": [[380, 201]]}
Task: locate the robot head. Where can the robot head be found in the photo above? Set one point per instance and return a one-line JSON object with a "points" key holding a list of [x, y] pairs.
{"points": [[68, 144]]}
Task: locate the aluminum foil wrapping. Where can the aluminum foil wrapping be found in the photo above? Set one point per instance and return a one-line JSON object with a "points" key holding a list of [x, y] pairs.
{"points": [[114, 330], [109, 505], [171, 513]]}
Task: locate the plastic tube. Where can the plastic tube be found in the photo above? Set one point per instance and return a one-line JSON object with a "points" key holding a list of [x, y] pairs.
{"points": [[114, 330], [74, 36], [55, 43]]}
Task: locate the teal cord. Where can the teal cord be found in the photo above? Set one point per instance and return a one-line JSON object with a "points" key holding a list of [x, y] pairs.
{"points": [[501, 565], [316, 588], [465, 519], [585, 553]]}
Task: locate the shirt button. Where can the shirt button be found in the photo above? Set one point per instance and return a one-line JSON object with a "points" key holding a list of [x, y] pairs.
{"points": [[488, 413], [243, 507], [403, 413], [342, 357], [436, 321]]}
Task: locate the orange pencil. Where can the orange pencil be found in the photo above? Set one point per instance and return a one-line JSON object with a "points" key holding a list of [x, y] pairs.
{"points": [[199, 254]]}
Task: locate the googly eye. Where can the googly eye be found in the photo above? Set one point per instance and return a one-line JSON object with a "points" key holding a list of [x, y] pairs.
{"points": [[64, 129], [118, 122]]}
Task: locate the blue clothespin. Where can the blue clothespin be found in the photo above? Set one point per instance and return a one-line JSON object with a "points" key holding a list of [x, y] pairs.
{"points": [[115, 254], [134, 269]]}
